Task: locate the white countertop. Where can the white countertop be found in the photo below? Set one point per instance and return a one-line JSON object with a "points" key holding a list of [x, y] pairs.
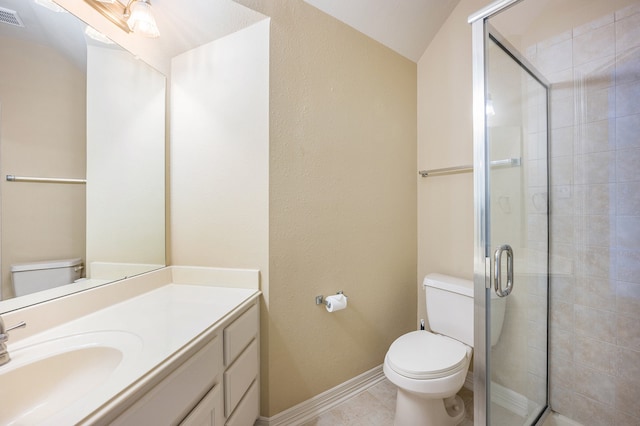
{"points": [[159, 323]]}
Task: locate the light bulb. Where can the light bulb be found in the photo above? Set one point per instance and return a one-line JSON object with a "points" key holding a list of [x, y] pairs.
{"points": [[141, 20]]}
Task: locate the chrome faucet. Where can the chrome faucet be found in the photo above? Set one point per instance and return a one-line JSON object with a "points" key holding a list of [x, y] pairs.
{"points": [[4, 336]]}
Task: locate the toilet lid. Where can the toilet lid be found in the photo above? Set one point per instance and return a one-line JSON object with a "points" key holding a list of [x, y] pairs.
{"points": [[424, 355]]}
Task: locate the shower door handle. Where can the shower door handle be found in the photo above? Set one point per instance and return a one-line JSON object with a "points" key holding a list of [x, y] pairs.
{"points": [[497, 279]]}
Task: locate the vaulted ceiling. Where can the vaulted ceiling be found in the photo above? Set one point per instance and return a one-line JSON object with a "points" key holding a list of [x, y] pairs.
{"points": [[406, 26]]}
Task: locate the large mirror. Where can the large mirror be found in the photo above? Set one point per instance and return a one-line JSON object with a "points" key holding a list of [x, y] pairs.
{"points": [[75, 106]]}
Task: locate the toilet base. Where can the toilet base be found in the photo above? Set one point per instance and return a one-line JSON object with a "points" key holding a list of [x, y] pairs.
{"points": [[415, 410]]}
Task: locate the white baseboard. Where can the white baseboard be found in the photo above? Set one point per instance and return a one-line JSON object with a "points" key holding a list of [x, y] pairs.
{"points": [[555, 419], [504, 397], [333, 397], [325, 401], [510, 400], [320, 404]]}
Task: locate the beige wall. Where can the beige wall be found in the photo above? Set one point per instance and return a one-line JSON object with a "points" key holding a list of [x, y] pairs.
{"points": [[445, 139], [40, 221], [342, 210]]}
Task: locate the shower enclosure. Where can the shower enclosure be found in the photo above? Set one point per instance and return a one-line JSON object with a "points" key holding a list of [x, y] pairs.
{"points": [[511, 108], [557, 199]]}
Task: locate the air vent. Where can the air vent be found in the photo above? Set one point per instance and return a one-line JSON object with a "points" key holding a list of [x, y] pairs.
{"points": [[10, 17]]}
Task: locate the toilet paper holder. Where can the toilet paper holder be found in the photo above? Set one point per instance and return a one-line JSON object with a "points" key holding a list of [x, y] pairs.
{"points": [[320, 299]]}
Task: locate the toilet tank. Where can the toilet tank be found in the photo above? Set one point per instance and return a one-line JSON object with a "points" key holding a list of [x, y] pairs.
{"points": [[450, 306], [37, 276]]}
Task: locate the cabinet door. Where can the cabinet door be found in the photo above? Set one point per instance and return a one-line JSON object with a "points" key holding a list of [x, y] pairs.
{"points": [[172, 398], [208, 412]]}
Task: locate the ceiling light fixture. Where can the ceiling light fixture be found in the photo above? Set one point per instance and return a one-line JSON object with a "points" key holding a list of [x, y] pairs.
{"points": [[141, 19], [136, 16]]}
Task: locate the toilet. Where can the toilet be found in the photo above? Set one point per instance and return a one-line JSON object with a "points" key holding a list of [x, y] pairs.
{"points": [[430, 367], [32, 277]]}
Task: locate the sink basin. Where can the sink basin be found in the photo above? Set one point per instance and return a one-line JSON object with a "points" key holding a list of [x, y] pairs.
{"points": [[47, 377]]}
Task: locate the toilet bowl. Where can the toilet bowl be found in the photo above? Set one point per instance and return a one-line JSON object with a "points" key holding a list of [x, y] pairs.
{"points": [[430, 367]]}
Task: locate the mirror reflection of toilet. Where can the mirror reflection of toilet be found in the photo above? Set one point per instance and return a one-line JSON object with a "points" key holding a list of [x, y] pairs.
{"points": [[30, 278], [430, 367]]}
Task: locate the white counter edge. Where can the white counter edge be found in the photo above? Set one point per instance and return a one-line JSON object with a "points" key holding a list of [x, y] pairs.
{"points": [[52, 313]]}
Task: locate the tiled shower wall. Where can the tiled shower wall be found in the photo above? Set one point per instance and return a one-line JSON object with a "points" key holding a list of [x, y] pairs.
{"points": [[595, 218]]}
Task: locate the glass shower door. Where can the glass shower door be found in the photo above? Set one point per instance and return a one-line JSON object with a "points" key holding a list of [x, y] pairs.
{"points": [[511, 258], [517, 199]]}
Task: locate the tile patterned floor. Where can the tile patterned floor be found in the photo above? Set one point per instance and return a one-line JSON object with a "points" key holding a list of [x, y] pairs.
{"points": [[376, 407]]}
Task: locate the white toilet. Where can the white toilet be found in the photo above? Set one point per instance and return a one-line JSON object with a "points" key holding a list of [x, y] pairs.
{"points": [[430, 367], [32, 277]]}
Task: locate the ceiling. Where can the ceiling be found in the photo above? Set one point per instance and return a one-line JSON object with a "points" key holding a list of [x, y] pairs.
{"points": [[406, 26]]}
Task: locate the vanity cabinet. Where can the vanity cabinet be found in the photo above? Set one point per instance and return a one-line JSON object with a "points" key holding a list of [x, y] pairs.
{"points": [[242, 367], [173, 397], [216, 386]]}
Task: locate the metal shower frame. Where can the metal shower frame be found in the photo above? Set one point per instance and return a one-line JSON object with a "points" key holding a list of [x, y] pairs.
{"points": [[480, 30]]}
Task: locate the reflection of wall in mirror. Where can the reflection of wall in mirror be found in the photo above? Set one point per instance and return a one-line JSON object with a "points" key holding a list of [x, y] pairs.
{"points": [[42, 134], [125, 159], [220, 152]]}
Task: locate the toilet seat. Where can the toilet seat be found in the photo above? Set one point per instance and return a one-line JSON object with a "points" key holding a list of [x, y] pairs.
{"points": [[423, 355]]}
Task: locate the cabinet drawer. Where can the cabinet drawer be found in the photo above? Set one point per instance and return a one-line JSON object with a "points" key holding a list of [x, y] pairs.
{"points": [[238, 335], [248, 409], [239, 377], [208, 412], [172, 398]]}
